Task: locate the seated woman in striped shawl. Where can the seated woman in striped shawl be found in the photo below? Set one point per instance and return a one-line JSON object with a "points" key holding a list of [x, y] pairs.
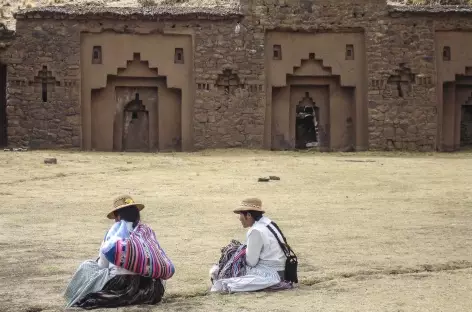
{"points": [[131, 267]]}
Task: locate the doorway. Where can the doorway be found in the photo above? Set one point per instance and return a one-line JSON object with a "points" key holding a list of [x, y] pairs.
{"points": [[136, 126], [466, 126], [306, 123], [3, 106]]}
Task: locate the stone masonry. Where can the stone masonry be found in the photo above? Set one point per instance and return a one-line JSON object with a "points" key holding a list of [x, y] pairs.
{"points": [[229, 71]]}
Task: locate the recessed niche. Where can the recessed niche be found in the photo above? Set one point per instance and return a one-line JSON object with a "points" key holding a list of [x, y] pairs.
{"points": [[97, 55], [277, 53], [46, 81], [446, 53], [349, 52], [179, 56]]}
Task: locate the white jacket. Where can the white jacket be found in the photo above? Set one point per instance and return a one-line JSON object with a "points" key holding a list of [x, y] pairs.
{"points": [[262, 246]]}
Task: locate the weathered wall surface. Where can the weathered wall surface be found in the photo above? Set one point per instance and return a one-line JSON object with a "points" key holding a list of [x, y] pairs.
{"points": [[222, 115], [394, 47], [229, 104], [454, 86], [403, 95], [298, 59], [53, 46], [109, 60]]}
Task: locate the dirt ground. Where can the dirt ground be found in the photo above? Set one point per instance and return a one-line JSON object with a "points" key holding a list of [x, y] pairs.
{"points": [[373, 232]]}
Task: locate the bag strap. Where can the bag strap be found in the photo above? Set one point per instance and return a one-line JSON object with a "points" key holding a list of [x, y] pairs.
{"points": [[280, 231], [285, 247]]}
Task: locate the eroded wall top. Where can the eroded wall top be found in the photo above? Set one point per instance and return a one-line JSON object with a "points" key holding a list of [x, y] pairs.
{"points": [[14, 9], [160, 13]]}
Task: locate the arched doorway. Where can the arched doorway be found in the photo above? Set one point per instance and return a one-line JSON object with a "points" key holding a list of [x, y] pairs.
{"points": [[135, 126]]}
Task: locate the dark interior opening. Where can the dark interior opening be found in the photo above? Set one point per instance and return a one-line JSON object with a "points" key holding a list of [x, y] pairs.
{"points": [[466, 126], [306, 134], [44, 93], [3, 106]]}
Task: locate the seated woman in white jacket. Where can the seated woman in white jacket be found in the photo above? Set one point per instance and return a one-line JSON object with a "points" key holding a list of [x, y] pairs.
{"points": [[265, 258]]}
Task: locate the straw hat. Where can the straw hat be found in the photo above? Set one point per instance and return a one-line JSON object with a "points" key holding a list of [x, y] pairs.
{"points": [[122, 202], [254, 204]]}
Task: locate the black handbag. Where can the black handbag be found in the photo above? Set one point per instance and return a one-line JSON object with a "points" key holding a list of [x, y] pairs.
{"points": [[291, 264]]}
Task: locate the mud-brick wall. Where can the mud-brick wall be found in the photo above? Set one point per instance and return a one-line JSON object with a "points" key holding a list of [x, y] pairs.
{"points": [[31, 121], [229, 73]]}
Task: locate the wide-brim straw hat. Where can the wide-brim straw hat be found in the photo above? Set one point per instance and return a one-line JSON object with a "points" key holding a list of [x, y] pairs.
{"points": [[250, 204], [123, 201]]}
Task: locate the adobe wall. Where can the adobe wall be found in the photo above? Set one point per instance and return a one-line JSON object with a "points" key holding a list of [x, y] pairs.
{"points": [[303, 60], [109, 60]]}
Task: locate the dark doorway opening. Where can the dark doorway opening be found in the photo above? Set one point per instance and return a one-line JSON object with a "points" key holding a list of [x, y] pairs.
{"points": [[306, 123], [466, 126], [3, 106], [136, 126]]}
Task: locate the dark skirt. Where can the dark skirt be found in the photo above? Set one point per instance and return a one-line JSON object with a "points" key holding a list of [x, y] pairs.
{"points": [[124, 290]]}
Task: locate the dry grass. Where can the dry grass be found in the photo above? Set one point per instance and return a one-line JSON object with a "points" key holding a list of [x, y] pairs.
{"points": [[431, 2], [374, 232]]}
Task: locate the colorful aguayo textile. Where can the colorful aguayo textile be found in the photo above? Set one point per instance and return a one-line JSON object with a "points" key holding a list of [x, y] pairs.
{"points": [[139, 253], [232, 262]]}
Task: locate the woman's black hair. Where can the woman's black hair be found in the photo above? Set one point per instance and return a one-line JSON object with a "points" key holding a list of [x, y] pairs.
{"points": [[256, 215], [129, 214]]}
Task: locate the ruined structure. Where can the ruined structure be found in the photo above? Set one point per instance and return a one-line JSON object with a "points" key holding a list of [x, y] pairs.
{"points": [[337, 75]]}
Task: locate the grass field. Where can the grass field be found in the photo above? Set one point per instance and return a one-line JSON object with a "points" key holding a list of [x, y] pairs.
{"points": [[373, 232]]}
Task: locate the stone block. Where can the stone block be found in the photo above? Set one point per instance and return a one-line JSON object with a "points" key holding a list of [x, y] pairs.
{"points": [[389, 133]]}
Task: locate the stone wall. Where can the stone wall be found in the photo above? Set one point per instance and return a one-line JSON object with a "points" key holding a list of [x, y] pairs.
{"points": [[402, 114], [229, 111], [222, 117], [229, 70], [392, 45], [400, 48], [418, 30], [54, 45]]}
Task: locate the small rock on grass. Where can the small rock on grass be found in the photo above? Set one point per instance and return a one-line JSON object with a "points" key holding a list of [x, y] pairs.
{"points": [[50, 161]]}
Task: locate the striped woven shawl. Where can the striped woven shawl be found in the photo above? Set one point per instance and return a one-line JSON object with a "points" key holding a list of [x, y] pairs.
{"points": [[140, 253], [232, 262]]}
